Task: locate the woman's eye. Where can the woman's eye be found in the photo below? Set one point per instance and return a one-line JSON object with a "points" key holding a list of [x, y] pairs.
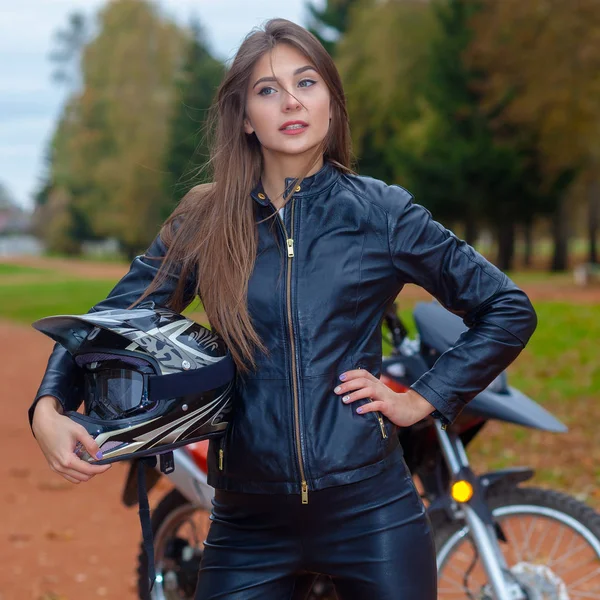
{"points": [[263, 91]]}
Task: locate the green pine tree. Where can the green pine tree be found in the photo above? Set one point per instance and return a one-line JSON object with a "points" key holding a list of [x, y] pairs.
{"points": [[187, 150], [465, 174], [327, 24]]}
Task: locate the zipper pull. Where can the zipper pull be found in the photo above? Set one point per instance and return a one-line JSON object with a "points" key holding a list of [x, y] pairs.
{"points": [[304, 492], [382, 425], [290, 247], [220, 459]]}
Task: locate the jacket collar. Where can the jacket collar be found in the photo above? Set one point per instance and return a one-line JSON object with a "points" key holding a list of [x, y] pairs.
{"points": [[314, 184]]}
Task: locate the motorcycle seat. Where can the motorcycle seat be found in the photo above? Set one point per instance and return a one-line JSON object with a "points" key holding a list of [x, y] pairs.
{"points": [[438, 327]]}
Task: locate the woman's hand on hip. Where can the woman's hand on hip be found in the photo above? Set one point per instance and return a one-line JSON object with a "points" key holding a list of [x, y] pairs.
{"points": [[403, 409], [57, 437]]}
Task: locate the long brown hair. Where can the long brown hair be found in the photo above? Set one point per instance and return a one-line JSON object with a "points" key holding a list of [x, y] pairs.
{"points": [[213, 229]]}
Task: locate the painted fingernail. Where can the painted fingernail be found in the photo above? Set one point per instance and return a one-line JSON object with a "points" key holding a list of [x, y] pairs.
{"points": [[338, 389], [359, 409], [99, 454], [346, 398], [343, 376]]}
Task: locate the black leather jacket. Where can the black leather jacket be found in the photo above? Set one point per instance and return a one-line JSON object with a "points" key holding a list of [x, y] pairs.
{"points": [[320, 285]]}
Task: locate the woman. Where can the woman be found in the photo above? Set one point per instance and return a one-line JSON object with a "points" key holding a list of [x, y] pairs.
{"points": [[295, 258]]}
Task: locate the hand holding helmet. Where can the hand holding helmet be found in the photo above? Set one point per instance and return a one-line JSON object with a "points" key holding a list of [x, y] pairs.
{"points": [[58, 436], [153, 380]]}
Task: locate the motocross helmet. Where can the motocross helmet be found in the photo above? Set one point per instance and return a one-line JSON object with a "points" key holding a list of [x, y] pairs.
{"points": [[153, 379]]}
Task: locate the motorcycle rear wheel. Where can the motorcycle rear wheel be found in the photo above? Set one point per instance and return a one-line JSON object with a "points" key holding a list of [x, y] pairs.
{"points": [[175, 577], [176, 557], [552, 548]]}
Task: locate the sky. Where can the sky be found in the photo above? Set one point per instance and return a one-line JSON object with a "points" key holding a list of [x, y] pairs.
{"points": [[30, 102]]}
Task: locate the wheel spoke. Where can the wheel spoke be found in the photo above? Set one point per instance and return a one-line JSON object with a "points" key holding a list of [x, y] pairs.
{"points": [[579, 566], [524, 536], [586, 577], [567, 555], [528, 536], [541, 540], [514, 538], [557, 543], [592, 594]]}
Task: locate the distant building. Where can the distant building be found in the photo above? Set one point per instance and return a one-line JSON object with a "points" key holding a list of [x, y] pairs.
{"points": [[15, 228], [13, 218]]}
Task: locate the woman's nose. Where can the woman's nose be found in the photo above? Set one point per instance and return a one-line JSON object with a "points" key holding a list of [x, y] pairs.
{"points": [[289, 102]]}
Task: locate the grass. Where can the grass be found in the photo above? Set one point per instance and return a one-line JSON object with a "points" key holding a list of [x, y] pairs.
{"points": [[10, 269], [25, 302], [525, 277], [562, 357]]}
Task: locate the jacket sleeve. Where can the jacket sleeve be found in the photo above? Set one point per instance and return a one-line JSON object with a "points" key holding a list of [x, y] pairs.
{"points": [[499, 315], [62, 378]]}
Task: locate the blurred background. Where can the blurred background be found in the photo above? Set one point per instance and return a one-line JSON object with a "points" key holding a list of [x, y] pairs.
{"points": [[488, 111]]}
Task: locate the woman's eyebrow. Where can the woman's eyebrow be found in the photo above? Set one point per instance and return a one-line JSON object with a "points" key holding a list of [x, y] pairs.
{"points": [[296, 72]]}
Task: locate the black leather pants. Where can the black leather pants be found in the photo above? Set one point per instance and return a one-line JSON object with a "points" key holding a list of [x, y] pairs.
{"points": [[372, 537]]}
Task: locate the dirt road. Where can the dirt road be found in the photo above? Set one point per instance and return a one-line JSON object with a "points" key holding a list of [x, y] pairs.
{"points": [[59, 541]]}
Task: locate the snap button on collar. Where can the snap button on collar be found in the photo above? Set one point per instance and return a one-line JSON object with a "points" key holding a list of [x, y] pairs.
{"points": [[310, 186]]}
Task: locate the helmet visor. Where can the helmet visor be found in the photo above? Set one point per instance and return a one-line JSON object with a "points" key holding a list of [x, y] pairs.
{"points": [[112, 393]]}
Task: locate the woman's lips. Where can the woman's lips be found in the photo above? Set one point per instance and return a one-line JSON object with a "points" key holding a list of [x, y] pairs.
{"points": [[294, 131]]}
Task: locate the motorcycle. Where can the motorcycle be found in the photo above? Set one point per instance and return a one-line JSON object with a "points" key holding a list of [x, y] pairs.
{"points": [[495, 539]]}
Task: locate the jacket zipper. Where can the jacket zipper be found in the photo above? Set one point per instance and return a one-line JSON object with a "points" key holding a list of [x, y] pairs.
{"points": [[378, 416], [290, 254], [381, 424], [221, 453]]}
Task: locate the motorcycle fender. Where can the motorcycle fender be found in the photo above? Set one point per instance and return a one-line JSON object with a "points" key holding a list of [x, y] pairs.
{"points": [[504, 478], [488, 482]]}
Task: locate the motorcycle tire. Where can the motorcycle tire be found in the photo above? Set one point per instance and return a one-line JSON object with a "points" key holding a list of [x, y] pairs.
{"points": [[550, 507], [172, 504]]}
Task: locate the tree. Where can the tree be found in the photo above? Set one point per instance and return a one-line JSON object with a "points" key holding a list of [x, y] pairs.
{"points": [[129, 72], [416, 120], [381, 59], [60, 216], [108, 149], [443, 139], [66, 55], [329, 23], [187, 149], [543, 60], [6, 199]]}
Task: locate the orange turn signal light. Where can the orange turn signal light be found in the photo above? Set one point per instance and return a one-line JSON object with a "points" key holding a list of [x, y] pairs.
{"points": [[461, 491]]}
